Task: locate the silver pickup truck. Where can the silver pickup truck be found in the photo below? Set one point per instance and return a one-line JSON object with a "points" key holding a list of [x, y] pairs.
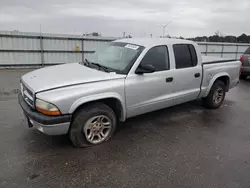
{"points": [[127, 78]]}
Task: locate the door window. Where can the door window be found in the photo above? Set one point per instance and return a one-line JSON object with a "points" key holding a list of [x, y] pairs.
{"points": [[185, 56], [158, 57]]}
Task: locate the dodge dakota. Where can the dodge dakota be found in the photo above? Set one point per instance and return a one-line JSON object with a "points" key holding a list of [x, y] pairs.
{"points": [[129, 77]]}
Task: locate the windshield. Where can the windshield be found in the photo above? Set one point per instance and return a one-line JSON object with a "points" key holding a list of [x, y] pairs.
{"points": [[117, 56]]}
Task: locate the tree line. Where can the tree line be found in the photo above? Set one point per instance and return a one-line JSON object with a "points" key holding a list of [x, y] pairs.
{"points": [[217, 37]]}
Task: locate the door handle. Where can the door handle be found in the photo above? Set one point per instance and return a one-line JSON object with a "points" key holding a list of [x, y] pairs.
{"points": [[197, 75], [170, 79]]}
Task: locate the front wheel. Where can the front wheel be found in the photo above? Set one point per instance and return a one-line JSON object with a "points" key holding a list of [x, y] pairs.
{"points": [[216, 95], [92, 125]]}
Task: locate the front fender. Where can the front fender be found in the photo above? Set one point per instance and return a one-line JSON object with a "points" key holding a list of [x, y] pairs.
{"points": [[100, 96], [213, 79]]}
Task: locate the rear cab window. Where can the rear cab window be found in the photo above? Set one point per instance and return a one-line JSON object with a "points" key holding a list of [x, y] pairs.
{"points": [[185, 56]]}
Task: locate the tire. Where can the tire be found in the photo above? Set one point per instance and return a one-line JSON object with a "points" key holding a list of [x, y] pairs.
{"points": [[209, 102], [85, 118], [243, 77]]}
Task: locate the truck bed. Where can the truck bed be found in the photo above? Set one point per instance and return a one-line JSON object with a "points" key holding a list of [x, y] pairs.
{"points": [[212, 60], [213, 67]]}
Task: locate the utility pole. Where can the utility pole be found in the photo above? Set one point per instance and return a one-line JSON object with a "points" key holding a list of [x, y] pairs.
{"points": [[163, 28], [41, 46], [40, 29]]}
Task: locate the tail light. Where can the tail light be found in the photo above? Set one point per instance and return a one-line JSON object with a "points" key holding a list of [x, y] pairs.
{"points": [[241, 58]]}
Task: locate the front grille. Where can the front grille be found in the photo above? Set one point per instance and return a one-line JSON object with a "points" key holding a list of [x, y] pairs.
{"points": [[27, 95]]}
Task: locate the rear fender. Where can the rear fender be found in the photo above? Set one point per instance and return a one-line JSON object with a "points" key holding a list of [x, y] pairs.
{"points": [[213, 79]]}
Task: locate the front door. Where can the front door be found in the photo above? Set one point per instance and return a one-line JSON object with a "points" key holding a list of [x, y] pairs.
{"points": [[150, 91]]}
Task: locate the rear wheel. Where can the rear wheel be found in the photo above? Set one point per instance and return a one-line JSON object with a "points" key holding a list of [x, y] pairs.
{"points": [[243, 77], [216, 95], [92, 125]]}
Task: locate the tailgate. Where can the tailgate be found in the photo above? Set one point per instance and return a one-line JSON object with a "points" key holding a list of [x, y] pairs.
{"points": [[246, 60]]}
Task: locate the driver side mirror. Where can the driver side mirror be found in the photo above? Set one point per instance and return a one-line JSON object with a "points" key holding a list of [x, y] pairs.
{"points": [[148, 68]]}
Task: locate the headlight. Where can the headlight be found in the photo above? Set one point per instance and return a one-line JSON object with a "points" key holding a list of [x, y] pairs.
{"points": [[47, 108]]}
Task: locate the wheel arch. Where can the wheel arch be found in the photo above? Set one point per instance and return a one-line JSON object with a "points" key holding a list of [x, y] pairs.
{"points": [[224, 77], [113, 100]]}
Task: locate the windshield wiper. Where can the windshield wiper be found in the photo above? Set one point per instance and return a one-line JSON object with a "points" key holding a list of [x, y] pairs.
{"points": [[97, 64], [87, 63]]}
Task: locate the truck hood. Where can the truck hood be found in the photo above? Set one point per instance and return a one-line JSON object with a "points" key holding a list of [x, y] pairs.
{"points": [[65, 75]]}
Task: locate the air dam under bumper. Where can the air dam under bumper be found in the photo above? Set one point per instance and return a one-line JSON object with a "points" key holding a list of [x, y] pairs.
{"points": [[50, 125]]}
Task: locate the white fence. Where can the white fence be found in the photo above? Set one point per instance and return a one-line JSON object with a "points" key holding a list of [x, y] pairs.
{"points": [[29, 49], [226, 50]]}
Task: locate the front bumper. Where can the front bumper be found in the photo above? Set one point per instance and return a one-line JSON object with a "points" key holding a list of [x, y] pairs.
{"points": [[50, 125], [245, 71]]}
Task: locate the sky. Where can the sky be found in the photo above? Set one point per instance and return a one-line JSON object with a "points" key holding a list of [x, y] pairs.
{"points": [[139, 18]]}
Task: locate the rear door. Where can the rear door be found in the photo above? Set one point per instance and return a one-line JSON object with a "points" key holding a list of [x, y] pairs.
{"points": [[188, 73]]}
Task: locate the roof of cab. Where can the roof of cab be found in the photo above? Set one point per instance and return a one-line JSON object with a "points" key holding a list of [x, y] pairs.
{"points": [[146, 42]]}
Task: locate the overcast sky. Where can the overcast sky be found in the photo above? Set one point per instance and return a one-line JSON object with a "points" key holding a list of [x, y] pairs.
{"points": [[136, 17]]}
